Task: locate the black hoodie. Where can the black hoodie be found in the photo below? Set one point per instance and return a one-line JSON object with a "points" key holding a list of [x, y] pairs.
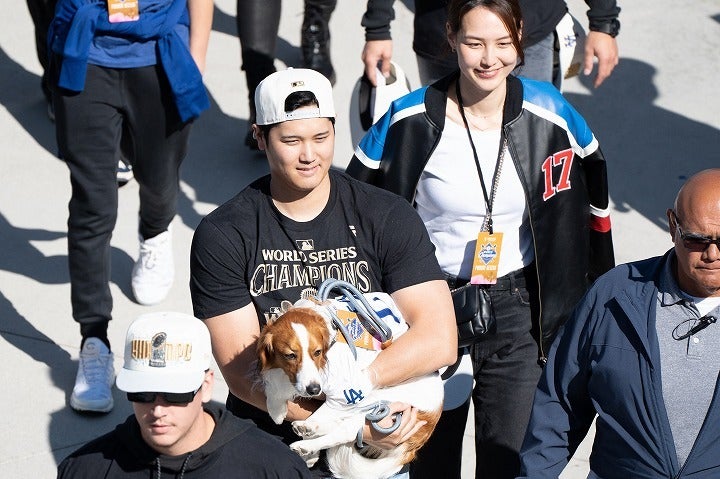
{"points": [[237, 448]]}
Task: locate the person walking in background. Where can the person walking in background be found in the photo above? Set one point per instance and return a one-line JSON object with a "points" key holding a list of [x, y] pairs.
{"points": [[504, 172], [118, 70], [541, 42], [641, 352], [174, 431], [257, 25], [277, 241], [42, 13]]}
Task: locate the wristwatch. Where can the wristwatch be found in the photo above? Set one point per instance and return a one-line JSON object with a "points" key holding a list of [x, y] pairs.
{"points": [[612, 27]]}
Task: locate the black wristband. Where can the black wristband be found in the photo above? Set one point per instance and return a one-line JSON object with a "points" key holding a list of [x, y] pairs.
{"points": [[612, 27]]}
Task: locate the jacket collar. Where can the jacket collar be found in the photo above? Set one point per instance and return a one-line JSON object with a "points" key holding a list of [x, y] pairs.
{"points": [[639, 303], [437, 93]]}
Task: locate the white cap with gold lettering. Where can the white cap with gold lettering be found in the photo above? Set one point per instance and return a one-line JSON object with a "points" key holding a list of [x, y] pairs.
{"points": [[165, 352]]}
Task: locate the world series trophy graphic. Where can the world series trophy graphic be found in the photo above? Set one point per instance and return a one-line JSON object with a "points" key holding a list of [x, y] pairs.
{"points": [[157, 353]]}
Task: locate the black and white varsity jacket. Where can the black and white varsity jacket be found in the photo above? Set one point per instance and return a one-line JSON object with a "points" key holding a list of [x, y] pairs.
{"points": [[557, 159]]}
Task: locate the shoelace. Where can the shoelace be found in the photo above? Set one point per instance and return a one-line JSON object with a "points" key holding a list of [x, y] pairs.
{"points": [[94, 367], [148, 256]]}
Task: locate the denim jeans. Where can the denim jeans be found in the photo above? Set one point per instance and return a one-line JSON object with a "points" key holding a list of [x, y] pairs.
{"points": [[539, 61], [132, 107], [506, 373]]}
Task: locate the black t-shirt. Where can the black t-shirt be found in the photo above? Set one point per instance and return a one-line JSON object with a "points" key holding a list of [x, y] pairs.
{"points": [[247, 251]]}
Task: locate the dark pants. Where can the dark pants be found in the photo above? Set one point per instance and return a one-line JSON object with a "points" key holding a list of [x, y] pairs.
{"points": [[257, 25], [506, 373], [135, 103]]}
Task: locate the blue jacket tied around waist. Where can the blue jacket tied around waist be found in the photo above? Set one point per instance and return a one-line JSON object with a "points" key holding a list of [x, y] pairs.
{"points": [[77, 22]]}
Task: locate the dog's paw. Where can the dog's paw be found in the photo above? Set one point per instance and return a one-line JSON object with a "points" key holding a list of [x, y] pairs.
{"points": [[305, 429], [310, 456]]}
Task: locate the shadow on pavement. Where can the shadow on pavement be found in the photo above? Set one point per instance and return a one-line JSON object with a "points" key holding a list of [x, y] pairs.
{"points": [[650, 150], [29, 261], [17, 85], [218, 164], [67, 429]]}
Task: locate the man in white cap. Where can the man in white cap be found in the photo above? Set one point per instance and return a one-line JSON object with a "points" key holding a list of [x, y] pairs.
{"points": [[282, 236], [174, 431]]}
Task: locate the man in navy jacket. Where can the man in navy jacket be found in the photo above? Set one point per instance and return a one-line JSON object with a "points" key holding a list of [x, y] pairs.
{"points": [[640, 351]]}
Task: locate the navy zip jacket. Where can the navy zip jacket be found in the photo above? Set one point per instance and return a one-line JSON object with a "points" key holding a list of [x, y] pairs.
{"points": [[607, 360], [557, 159]]}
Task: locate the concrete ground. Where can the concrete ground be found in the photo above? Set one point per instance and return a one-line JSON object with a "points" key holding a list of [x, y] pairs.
{"points": [[656, 119]]}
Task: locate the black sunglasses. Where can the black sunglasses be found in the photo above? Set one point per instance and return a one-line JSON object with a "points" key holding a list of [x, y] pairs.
{"points": [[172, 398], [695, 242]]}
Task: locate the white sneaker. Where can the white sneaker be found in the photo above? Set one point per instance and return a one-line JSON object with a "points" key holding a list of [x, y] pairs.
{"points": [[124, 173], [95, 376], [154, 271]]}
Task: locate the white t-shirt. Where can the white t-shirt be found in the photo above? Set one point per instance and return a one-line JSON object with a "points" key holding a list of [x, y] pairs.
{"points": [[450, 202]]}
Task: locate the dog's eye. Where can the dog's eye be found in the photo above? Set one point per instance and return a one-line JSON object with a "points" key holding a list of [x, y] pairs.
{"points": [[317, 353], [291, 356]]}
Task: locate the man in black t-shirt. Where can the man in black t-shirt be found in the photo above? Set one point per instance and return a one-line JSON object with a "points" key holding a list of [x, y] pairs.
{"points": [[277, 240]]}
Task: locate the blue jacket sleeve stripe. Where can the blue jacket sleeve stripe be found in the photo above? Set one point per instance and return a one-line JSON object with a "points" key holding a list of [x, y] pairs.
{"points": [[544, 100], [582, 140], [370, 149]]}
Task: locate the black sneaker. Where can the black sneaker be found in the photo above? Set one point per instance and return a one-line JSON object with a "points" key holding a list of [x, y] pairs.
{"points": [[315, 43]]}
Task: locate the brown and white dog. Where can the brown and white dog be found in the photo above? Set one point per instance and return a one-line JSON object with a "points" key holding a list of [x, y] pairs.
{"points": [[298, 357]]}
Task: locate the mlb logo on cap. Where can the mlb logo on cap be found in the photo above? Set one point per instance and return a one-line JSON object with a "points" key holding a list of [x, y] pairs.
{"points": [[271, 93], [165, 352]]}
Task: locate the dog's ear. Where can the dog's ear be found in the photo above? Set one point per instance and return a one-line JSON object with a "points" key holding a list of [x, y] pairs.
{"points": [[285, 306], [264, 348], [324, 309]]}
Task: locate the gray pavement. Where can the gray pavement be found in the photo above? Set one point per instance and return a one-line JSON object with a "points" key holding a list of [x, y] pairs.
{"points": [[656, 119]]}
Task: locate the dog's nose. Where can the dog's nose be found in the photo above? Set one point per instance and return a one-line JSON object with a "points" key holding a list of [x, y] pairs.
{"points": [[313, 389]]}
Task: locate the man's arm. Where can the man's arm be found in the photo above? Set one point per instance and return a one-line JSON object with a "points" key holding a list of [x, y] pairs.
{"points": [[562, 411], [600, 42], [429, 344], [378, 42], [201, 14], [431, 340], [233, 337]]}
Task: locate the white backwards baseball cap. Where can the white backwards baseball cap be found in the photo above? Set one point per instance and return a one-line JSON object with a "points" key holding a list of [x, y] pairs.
{"points": [[271, 93], [165, 352]]}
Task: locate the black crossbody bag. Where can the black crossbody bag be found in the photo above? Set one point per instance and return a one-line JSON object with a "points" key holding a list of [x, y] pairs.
{"points": [[474, 313]]}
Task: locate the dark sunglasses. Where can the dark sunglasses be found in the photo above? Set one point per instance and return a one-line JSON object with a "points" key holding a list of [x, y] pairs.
{"points": [[172, 398], [695, 242]]}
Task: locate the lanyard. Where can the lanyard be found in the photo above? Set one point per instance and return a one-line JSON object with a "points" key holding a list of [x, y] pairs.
{"points": [[488, 223]]}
